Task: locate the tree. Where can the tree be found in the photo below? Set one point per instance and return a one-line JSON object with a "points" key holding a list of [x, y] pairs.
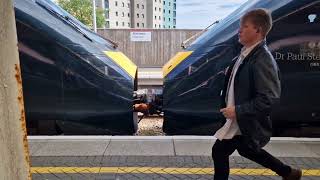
{"points": [[82, 10]]}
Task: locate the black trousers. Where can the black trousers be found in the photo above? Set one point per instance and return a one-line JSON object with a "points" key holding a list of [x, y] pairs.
{"points": [[221, 151]]}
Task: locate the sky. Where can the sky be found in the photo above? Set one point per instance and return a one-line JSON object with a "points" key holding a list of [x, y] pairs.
{"points": [[198, 14]]}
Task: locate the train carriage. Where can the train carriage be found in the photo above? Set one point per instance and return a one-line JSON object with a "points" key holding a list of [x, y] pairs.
{"points": [[193, 78]]}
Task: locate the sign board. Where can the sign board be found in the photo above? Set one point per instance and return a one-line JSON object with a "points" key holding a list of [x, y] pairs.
{"points": [[140, 36]]}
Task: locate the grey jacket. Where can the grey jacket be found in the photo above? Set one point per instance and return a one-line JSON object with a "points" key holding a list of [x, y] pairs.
{"points": [[257, 89]]}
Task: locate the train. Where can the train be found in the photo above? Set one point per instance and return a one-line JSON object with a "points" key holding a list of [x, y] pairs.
{"points": [[75, 82], [194, 77]]}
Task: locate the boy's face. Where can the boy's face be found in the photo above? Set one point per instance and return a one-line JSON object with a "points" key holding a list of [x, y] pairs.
{"points": [[248, 33]]}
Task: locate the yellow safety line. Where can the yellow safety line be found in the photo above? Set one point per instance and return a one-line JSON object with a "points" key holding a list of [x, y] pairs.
{"points": [[159, 170]]}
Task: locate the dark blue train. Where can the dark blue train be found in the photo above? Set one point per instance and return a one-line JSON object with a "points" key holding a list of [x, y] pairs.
{"points": [[74, 81], [194, 78]]}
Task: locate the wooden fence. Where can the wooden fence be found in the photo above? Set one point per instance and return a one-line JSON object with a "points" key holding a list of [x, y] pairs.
{"points": [[154, 52]]}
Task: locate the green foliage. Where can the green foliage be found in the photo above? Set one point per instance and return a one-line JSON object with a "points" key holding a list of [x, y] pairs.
{"points": [[82, 10]]}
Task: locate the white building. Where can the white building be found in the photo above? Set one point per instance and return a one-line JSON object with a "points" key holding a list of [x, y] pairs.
{"points": [[155, 14], [117, 13], [139, 13], [132, 13]]}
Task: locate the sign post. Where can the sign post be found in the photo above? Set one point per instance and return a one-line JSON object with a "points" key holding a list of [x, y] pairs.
{"points": [[140, 36]]}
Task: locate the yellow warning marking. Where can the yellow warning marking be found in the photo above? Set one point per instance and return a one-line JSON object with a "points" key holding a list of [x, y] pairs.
{"points": [[123, 61], [158, 170], [173, 62]]}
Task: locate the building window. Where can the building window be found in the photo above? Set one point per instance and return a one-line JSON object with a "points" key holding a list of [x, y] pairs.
{"points": [[128, 14], [169, 3], [174, 27], [142, 15], [164, 11], [155, 26], [128, 24], [122, 4], [106, 4], [164, 19], [142, 24], [159, 26], [159, 18], [164, 2], [142, 6], [169, 27], [137, 24], [155, 9], [169, 19], [107, 14], [155, 0], [155, 17], [122, 14], [174, 6], [107, 24], [117, 23], [160, 9], [123, 24], [169, 11], [116, 3], [116, 13], [159, 1], [138, 6], [137, 15], [164, 26], [128, 5]]}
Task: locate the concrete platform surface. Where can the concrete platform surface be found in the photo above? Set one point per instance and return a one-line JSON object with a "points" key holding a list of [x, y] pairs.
{"points": [[157, 146], [157, 157]]}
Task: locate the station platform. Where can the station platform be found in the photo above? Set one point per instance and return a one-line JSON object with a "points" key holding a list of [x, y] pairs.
{"points": [[157, 157]]}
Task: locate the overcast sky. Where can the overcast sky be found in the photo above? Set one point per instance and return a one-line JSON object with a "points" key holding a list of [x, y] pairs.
{"points": [[198, 14]]}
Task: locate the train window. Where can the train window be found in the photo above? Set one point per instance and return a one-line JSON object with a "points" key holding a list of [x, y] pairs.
{"points": [[215, 61], [309, 14]]}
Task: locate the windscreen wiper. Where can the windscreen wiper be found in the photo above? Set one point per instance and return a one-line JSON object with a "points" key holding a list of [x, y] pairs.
{"points": [[115, 45], [65, 19], [185, 44]]}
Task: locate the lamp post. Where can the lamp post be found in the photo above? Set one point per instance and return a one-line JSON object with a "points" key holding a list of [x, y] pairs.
{"points": [[94, 16]]}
